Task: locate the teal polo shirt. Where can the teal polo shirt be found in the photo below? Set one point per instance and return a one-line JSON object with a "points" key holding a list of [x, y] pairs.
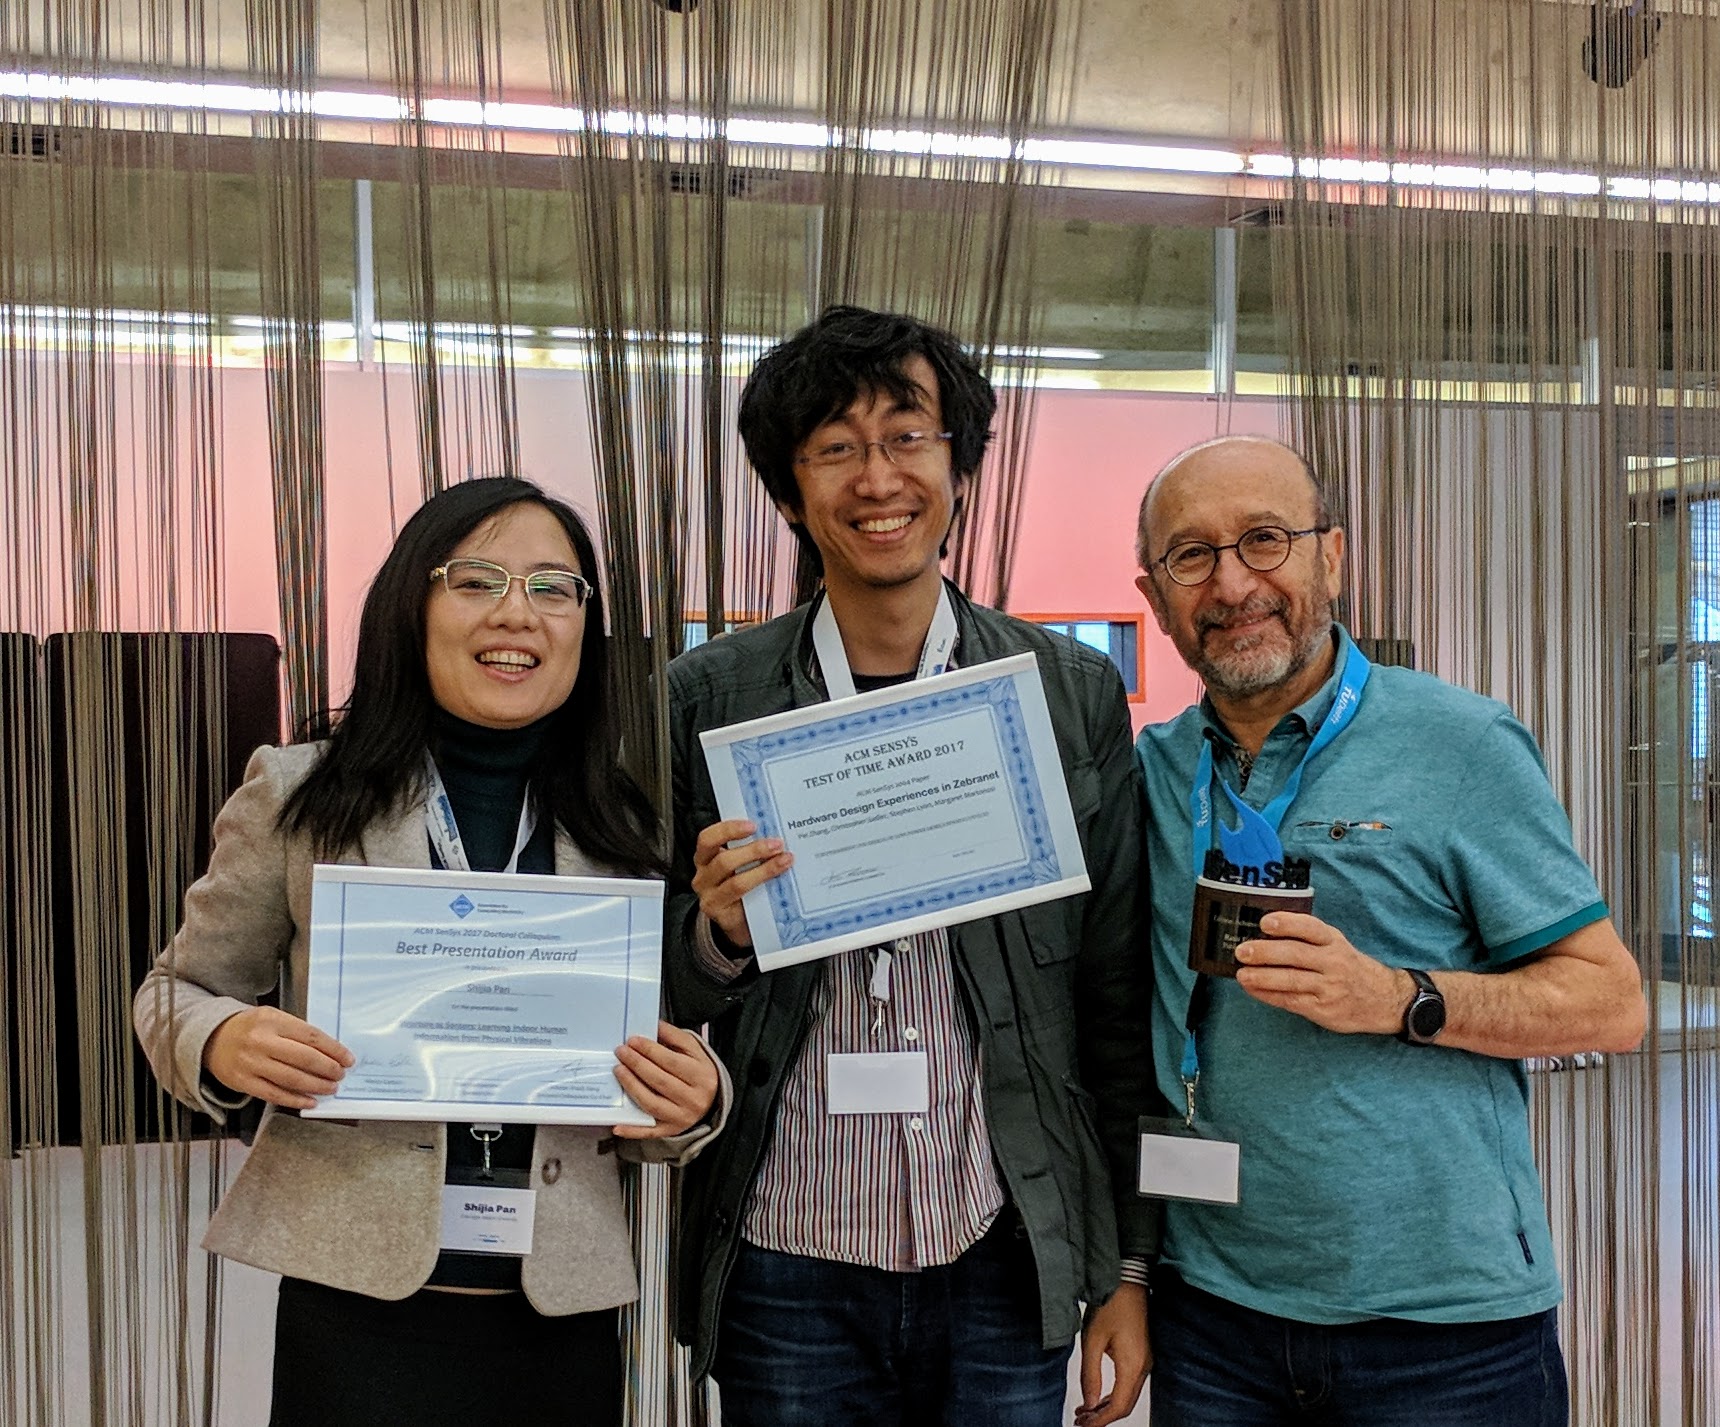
{"points": [[1378, 1179]]}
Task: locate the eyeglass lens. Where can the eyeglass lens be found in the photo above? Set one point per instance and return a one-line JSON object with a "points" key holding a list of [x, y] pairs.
{"points": [[1262, 549]]}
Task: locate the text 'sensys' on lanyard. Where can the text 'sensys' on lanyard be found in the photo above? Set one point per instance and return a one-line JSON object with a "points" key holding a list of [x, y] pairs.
{"points": [[839, 684], [445, 832], [1255, 842]]}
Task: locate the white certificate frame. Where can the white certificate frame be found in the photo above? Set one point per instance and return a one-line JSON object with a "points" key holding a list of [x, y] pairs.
{"points": [[397, 1007], [1015, 787]]}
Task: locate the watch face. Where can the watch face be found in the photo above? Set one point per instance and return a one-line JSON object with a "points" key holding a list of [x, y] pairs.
{"points": [[1426, 1017]]}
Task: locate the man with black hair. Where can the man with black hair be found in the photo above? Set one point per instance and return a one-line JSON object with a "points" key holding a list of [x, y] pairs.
{"points": [[924, 1265]]}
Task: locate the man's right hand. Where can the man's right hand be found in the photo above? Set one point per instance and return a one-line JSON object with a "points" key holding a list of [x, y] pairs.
{"points": [[276, 1057], [722, 875]]}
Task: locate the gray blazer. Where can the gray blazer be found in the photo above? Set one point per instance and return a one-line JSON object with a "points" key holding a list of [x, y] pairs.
{"points": [[356, 1205]]}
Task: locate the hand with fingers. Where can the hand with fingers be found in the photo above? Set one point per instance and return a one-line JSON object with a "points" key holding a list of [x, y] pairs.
{"points": [[672, 1079], [1308, 967], [1116, 1329], [276, 1057], [722, 874]]}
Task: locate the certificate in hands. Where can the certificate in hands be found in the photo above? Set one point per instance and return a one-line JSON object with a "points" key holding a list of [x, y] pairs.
{"points": [[481, 995], [909, 808]]}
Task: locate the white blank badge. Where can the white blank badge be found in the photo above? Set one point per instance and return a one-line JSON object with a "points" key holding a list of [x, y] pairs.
{"points": [[895, 1082], [1187, 1167]]}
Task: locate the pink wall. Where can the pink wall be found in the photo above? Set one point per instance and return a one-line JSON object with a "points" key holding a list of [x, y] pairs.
{"points": [[1092, 456]]}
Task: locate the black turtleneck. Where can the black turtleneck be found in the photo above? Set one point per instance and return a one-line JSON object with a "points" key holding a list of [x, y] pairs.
{"points": [[485, 772]]}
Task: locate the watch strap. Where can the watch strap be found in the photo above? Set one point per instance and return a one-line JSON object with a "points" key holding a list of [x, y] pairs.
{"points": [[1425, 991]]}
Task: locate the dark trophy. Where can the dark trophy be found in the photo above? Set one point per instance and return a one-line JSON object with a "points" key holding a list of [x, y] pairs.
{"points": [[1229, 902]]}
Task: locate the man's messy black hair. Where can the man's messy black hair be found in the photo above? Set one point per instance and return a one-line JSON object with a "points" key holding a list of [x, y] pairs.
{"points": [[818, 373]]}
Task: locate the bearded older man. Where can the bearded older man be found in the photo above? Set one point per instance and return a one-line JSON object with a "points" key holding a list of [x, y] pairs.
{"points": [[1386, 1257]]}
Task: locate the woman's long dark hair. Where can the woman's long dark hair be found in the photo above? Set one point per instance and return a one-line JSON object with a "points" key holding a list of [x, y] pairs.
{"points": [[376, 746]]}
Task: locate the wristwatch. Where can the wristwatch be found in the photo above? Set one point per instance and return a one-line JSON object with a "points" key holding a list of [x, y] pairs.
{"points": [[1424, 1017]]}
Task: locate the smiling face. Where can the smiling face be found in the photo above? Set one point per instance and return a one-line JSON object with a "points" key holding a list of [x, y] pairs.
{"points": [[1244, 632], [880, 526], [500, 663]]}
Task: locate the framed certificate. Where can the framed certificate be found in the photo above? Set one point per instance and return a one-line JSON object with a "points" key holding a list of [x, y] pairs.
{"points": [[913, 807], [481, 995]]}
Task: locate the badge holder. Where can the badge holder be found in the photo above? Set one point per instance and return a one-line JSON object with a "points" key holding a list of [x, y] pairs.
{"points": [[879, 1082], [485, 1209], [1176, 1160]]}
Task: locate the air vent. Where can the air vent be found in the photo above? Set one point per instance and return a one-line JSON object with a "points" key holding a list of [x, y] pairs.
{"points": [[1264, 215], [695, 179], [30, 141]]}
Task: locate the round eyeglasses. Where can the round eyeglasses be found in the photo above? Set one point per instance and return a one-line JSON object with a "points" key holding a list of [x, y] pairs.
{"points": [[911, 450], [1264, 548], [549, 592]]}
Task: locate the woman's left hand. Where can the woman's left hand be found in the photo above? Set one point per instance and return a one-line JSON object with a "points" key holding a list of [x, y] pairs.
{"points": [[672, 1079]]}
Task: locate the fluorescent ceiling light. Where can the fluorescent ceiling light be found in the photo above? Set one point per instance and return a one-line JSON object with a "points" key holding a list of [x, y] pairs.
{"points": [[1050, 381], [1497, 179], [680, 127], [1050, 354], [1157, 158]]}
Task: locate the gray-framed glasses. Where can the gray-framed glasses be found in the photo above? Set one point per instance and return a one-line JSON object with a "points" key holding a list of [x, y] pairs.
{"points": [[549, 592], [1264, 548], [911, 450]]}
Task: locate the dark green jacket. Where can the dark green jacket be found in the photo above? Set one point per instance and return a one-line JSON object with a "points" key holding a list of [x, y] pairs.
{"points": [[1058, 993]]}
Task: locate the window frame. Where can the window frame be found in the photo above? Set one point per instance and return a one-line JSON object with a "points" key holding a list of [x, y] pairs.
{"points": [[1138, 618]]}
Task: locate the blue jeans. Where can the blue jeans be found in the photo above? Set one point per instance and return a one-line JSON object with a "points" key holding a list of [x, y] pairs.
{"points": [[1217, 1364], [806, 1342]]}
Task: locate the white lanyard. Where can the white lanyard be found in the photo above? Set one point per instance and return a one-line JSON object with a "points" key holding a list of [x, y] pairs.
{"points": [[833, 658], [839, 684], [445, 832]]}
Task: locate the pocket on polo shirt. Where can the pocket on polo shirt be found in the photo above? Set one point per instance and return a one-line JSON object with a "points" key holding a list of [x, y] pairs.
{"points": [[1335, 835]]}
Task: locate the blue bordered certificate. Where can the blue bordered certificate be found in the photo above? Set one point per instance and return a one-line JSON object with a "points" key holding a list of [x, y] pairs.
{"points": [[481, 995], [914, 807]]}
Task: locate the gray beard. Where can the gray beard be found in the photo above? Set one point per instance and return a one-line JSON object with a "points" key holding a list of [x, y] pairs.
{"points": [[1247, 683]]}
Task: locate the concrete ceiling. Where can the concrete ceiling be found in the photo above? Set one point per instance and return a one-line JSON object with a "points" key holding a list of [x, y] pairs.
{"points": [[1204, 70]]}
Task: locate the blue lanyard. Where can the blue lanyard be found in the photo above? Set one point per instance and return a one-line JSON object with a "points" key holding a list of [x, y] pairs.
{"points": [[1255, 842]]}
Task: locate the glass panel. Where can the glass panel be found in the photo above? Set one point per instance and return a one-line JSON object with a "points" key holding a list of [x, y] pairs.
{"points": [[154, 240], [1262, 328], [1481, 304], [539, 282], [1140, 295]]}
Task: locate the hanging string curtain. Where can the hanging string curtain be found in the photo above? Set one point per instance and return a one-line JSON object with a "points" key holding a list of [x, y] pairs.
{"points": [[150, 258], [1510, 398]]}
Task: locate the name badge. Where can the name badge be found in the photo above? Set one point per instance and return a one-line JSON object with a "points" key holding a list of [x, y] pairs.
{"points": [[481, 1219], [896, 1082], [1177, 1163]]}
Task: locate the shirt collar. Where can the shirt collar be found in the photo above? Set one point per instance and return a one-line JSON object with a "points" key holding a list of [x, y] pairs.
{"points": [[1309, 714]]}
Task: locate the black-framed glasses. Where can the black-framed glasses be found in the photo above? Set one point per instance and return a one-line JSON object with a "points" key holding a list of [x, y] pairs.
{"points": [[550, 592], [1264, 548], [911, 450]]}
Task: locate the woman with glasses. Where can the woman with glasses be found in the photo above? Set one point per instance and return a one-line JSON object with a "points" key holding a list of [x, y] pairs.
{"points": [[481, 735]]}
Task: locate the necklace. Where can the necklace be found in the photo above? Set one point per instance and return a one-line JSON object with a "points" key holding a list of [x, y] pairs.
{"points": [[1244, 765]]}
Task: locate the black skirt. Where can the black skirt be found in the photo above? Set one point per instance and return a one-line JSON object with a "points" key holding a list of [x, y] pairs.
{"points": [[461, 1359]]}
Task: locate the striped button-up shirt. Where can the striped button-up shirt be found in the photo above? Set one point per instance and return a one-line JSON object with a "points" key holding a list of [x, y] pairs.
{"points": [[891, 1191]]}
